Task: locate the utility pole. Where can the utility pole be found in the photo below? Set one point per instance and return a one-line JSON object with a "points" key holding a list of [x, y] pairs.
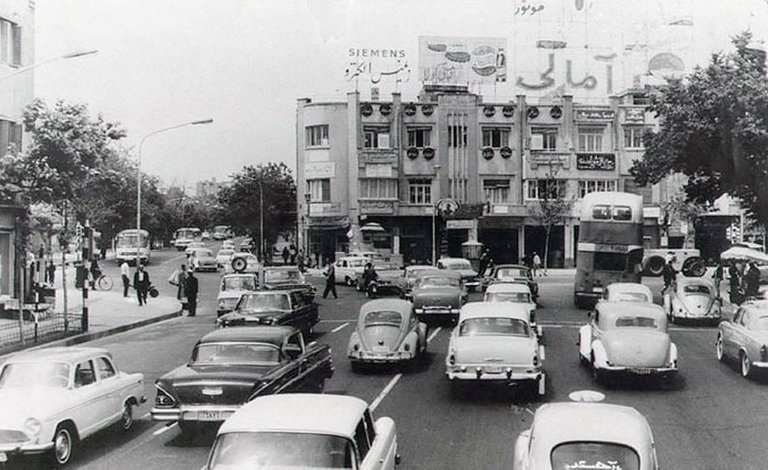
{"points": [[87, 254], [64, 247]]}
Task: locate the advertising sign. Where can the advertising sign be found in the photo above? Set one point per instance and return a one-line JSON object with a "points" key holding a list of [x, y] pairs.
{"points": [[596, 161], [462, 60], [317, 170]]}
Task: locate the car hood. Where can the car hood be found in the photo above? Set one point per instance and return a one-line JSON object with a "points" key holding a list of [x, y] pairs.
{"points": [[255, 317], [635, 347], [376, 337], [697, 304], [19, 404], [494, 349]]}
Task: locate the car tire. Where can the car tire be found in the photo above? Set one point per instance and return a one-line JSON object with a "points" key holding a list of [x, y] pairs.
{"points": [[126, 419], [719, 348], [63, 445], [349, 281], [746, 365], [655, 266]]}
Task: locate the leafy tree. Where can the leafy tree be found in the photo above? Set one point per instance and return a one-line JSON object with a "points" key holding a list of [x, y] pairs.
{"points": [[552, 208], [714, 129]]}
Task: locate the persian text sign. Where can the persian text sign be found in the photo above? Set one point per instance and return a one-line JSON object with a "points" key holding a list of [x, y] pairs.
{"points": [[596, 161], [462, 60], [376, 64], [317, 170], [593, 114]]}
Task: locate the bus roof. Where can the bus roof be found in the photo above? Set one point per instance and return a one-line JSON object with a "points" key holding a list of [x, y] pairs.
{"points": [[612, 199]]}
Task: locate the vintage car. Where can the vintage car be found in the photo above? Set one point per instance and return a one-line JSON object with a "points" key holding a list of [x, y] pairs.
{"points": [[204, 260], [246, 246], [693, 299], [288, 277], [515, 293], [627, 338], [745, 337], [193, 246], [586, 435], [52, 398], [512, 273], [305, 431], [387, 332], [438, 294], [628, 292], [243, 263], [273, 307], [494, 342], [389, 280], [232, 286], [232, 366], [464, 268], [346, 269], [224, 256], [410, 274], [228, 244]]}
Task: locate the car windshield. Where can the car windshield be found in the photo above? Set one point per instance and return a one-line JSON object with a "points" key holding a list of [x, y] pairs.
{"points": [[632, 297], [588, 455], [511, 272], [34, 374], [383, 318], [696, 289], [636, 322], [413, 272], [263, 302], [239, 283], [493, 326], [280, 450], [457, 265], [282, 275], [224, 253], [203, 253], [519, 297], [439, 282], [228, 353]]}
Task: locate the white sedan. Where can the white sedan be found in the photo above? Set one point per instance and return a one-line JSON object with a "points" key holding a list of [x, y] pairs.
{"points": [[224, 256]]}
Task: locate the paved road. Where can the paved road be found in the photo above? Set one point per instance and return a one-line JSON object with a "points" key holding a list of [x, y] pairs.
{"points": [[710, 418]]}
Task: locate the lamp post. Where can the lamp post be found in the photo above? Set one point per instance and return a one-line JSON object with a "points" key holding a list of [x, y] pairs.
{"points": [[138, 173], [71, 55], [262, 250], [435, 199]]}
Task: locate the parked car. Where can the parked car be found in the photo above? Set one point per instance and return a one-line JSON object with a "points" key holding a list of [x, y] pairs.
{"points": [[204, 260], [273, 307], [305, 431], [53, 398], [438, 294], [745, 337], [370, 255], [627, 338], [205, 235], [389, 280], [346, 269], [246, 246], [228, 244], [243, 263], [410, 274], [693, 299], [512, 273], [495, 342], [462, 266], [586, 435], [231, 287], [232, 366], [387, 332], [193, 246], [628, 292], [515, 293], [288, 277], [224, 257]]}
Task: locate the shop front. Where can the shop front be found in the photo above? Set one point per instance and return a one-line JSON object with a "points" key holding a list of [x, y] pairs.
{"points": [[326, 236]]}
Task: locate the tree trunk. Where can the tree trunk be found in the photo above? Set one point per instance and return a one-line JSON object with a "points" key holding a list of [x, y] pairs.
{"points": [[546, 248]]}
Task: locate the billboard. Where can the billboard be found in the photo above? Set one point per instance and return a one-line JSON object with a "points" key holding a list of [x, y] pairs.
{"points": [[449, 60]]}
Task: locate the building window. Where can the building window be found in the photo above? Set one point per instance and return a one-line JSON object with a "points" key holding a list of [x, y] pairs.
{"points": [[317, 136], [543, 138], [457, 136], [420, 191], [646, 192], [419, 137], [641, 99], [633, 137], [376, 137], [319, 190], [10, 136], [591, 186], [495, 137], [591, 140], [545, 189], [10, 43], [378, 188], [496, 191]]}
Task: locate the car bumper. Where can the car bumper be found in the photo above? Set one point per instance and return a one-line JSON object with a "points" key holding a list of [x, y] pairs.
{"points": [[437, 311], [194, 413], [28, 447], [505, 373], [705, 317], [381, 358], [641, 370]]}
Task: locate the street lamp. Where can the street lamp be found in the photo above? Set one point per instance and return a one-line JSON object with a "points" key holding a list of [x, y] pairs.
{"points": [[138, 173], [70, 55], [435, 199]]}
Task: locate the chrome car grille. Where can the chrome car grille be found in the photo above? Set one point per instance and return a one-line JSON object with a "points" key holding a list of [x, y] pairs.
{"points": [[196, 394]]}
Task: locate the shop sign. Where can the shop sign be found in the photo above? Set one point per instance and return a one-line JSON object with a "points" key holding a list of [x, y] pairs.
{"points": [[317, 170], [596, 161], [378, 171], [324, 208], [460, 224], [593, 114], [634, 115], [377, 207], [329, 222]]}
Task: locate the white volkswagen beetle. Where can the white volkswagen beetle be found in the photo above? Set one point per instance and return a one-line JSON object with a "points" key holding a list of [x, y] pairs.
{"points": [[694, 299], [628, 292]]}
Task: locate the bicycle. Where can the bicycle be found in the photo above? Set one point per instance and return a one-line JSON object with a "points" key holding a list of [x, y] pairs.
{"points": [[103, 282]]}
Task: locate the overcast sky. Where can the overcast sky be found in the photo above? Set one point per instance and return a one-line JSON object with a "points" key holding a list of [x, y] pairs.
{"points": [[244, 63]]}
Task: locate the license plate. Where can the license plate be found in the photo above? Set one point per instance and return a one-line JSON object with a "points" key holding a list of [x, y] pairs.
{"points": [[642, 371], [3, 457], [597, 289], [492, 370], [210, 415], [379, 349]]}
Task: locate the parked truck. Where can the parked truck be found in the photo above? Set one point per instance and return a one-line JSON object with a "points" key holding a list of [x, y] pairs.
{"points": [[686, 261]]}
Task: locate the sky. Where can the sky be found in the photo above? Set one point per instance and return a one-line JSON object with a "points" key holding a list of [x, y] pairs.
{"points": [[244, 63]]}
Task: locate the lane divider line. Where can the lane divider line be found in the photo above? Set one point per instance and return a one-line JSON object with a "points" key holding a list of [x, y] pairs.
{"points": [[163, 429], [385, 392], [339, 328], [434, 333]]}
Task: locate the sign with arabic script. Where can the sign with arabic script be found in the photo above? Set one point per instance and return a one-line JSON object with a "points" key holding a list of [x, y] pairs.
{"points": [[461, 60], [377, 64], [593, 114], [596, 161]]}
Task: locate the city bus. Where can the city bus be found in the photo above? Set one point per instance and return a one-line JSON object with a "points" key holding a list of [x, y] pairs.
{"points": [[184, 236], [129, 246], [610, 246]]}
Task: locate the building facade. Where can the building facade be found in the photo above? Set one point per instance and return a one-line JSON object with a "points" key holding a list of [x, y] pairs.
{"points": [[371, 173]]}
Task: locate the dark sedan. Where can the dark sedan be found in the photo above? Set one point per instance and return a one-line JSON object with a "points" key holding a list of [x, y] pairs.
{"points": [[438, 294], [273, 307], [512, 273], [288, 277]]}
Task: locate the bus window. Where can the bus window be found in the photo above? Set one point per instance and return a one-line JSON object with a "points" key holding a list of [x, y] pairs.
{"points": [[622, 213], [601, 212], [610, 262]]}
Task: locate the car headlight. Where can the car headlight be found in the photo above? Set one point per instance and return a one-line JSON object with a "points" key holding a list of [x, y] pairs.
{"points": [[33, 427]]}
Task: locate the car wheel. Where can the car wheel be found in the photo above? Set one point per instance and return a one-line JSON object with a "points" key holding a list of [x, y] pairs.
{"points": [[746, 366], [348, 281], [63, 445], [719, 348], [126, 420]]}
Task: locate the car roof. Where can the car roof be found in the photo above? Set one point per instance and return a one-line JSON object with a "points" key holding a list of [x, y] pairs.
{"points": [[616, 309], [454, 260], [629, 287], [298, 412], [232, 275], [263, 334], [282, 268], [516, 287], [511, 266], [403, 307], [60, 354], [495, 309], [420, 267], [556, 423], [438, 273]]}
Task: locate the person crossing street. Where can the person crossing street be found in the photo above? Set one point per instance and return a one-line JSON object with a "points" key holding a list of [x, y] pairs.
{"points": [[330, 281], [190, 290]]}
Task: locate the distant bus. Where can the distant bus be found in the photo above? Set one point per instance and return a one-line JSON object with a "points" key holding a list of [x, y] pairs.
{"points": [[183, 236], [222, 232], [129, 246], [610, 247]]}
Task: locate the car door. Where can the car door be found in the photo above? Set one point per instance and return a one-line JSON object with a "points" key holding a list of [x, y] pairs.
{"points": [[338, 275], [113, 386], [728, 329], [91, 409], [738, 338]]}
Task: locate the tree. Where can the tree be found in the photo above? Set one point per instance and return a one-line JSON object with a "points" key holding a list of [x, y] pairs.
{"points": [[552, 208], [714, 129]]}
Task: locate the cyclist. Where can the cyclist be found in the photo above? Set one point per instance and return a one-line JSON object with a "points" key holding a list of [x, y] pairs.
{"points": [[95, 272]]}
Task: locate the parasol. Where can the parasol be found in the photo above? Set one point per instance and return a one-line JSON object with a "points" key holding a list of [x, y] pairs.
{"points": [[742, 253]]}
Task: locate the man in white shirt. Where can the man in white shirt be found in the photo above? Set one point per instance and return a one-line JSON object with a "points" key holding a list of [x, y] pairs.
{"points": [[125, 272]]}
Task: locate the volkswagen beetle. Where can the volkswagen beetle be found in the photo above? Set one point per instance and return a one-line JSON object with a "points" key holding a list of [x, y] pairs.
{"points": [[628, 292], [387, 332], [693, 298]]}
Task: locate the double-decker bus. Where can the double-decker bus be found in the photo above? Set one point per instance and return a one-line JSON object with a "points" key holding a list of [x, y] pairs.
{"points": [[183, 236], [130, 246], [610, 247]]}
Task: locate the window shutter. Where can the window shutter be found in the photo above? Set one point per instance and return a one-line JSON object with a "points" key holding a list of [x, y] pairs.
{"points": [[16, 29], [5, 135]]}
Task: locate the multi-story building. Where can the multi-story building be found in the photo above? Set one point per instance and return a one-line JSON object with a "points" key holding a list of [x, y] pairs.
{"points": [[370, 173]]}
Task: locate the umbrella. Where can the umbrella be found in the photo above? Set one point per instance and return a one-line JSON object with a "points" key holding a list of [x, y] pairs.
{"points": [[372, 227], [742, 253]]}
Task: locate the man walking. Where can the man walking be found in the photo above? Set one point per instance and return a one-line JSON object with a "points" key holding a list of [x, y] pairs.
{"points": [[668, 273], [141, 284], [330, 281], [485, 260], [536, 263], [286, 255], [190, 290], [178, 278], [125, 273]]}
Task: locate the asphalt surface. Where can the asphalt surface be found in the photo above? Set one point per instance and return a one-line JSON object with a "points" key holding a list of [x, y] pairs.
{"points": [[707, 418]]}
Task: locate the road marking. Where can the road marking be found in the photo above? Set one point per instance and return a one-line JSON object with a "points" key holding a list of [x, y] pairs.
{"points": [[163, 429], [172, 260], [144, 416], [339, 328], [385, 392], [434, 333]]}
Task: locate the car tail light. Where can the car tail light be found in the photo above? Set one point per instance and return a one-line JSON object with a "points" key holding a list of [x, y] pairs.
{"points": [[163, 398], [407, 347], [764, 353], [452, 359], [356, 347], [535, 360]]}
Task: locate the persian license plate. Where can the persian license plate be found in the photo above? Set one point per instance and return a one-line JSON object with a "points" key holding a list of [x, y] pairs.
{"points": [[211, 415], [379, 349], [642, 371], [3, 457], [597, 289], [492, 370]]}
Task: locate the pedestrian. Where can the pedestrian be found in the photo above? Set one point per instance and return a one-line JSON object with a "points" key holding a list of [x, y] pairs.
{"points": [[668, 273], [125, 272], [41, 259], [718, 278], [286, 254], [141, 284], [485, 260], [330, 281], [300, 260], [734, 284], [178, 278], [51, 272], [190, 290], [95, 272], [292, 253], [192, 261], [536, 263], [752, 281]]}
